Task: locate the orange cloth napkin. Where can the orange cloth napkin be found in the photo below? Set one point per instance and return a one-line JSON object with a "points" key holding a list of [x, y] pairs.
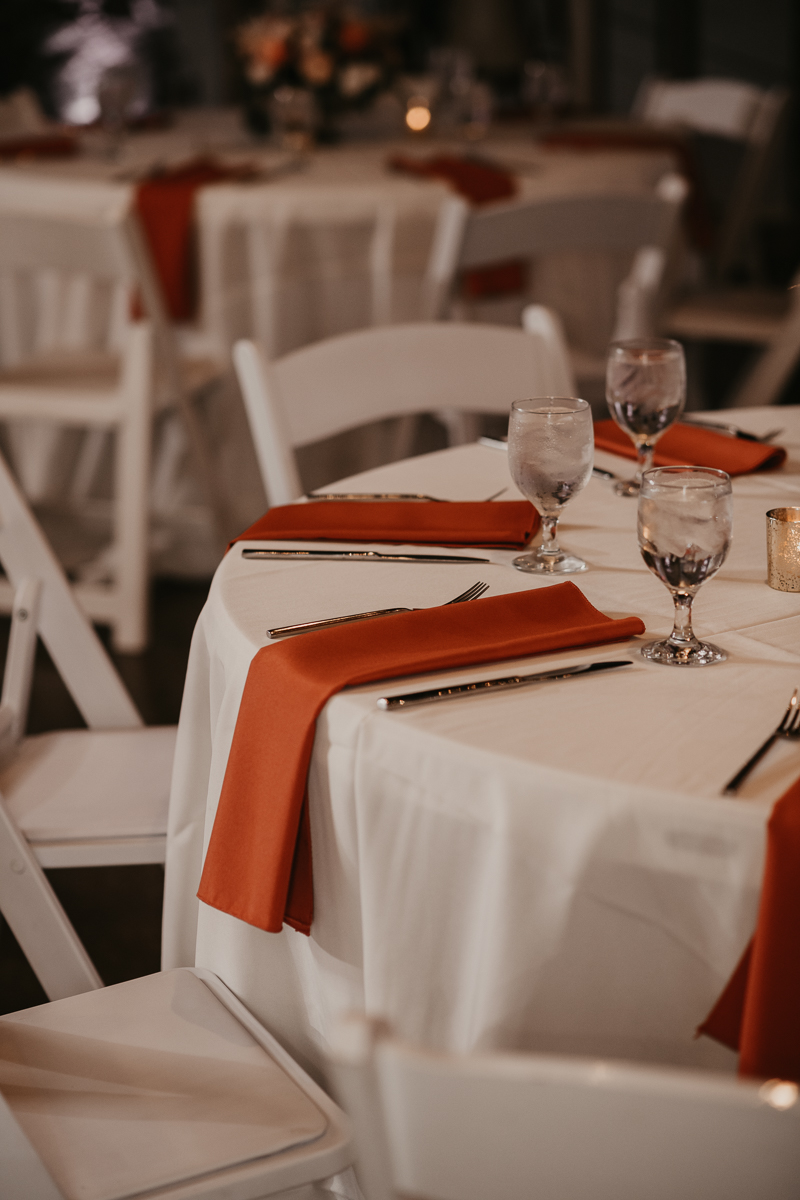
{"points": [[165, 204], [258, 865], [481, 184], [758, 1013], [509, 523], [698, 219], [697, 447]]}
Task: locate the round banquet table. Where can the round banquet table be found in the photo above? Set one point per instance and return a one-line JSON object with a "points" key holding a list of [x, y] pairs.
{"points": [[552, 868]]}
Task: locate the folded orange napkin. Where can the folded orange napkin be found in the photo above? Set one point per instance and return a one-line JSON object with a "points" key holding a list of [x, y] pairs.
{"points": [[481, 183], [509, 523], [698, 447], [758, 1013], [258, 865], [165, 204]]}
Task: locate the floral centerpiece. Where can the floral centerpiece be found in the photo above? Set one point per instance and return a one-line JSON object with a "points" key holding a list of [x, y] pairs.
{"points": [[339, 56]]}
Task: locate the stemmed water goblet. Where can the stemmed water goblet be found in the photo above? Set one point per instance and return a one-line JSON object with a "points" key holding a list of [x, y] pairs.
{"points": [[646, 391], [685, 523], [550, 456]]}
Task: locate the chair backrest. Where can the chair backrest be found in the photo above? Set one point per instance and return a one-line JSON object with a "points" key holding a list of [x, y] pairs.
{"points": [[73, 645], [71, 255], [725, 107], [355, 378], [448, 1127], [467, 238], [351, 230]]}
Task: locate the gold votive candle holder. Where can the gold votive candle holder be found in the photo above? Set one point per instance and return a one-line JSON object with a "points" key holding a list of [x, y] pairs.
{"points": [[783, 549]]}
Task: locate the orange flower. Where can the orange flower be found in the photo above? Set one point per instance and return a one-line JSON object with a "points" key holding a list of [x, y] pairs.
{"points": [[354, 36], [316, 67]]}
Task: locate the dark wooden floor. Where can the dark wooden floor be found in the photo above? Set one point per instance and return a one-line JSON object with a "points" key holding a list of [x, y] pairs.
{"points": [[116, 910]]}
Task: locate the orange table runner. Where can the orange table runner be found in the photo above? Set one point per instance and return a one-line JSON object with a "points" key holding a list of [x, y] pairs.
{"points": [[165, 204], [258, 865], [758, 1013], [697, 447], [510, 523]]}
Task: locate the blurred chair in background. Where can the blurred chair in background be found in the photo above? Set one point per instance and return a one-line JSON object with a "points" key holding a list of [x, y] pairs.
{"points": [[77, 798], [642, 227], [510, 1125], [738, 112], [72, 260], [761, 317], [346, 381]]}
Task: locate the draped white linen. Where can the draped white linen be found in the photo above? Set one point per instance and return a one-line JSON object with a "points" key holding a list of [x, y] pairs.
{"points": [[552, 868]]}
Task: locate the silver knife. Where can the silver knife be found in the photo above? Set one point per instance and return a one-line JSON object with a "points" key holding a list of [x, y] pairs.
{"points": [[476, 687], [373, 496], [358, 556]]}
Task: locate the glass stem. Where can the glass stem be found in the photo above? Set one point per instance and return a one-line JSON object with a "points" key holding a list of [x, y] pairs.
{"points": [[682, 632], [645, 460], [549, 535]]}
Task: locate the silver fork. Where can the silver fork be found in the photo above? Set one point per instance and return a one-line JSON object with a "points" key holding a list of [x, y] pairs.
{"points": [[789, 727], [472, 593]]}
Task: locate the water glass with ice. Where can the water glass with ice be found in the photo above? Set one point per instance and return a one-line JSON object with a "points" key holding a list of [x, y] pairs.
{"points": [[685, 528], [646, 392], [550, 456]]}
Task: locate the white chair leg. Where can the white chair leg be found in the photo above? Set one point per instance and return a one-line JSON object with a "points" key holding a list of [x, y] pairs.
{"points": [[88, 464], [765, 381], [37, 920], [18, 674], [132, 470]]}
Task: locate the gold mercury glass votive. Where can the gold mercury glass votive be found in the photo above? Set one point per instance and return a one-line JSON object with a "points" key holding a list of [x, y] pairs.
{"points": [[783, 549]]}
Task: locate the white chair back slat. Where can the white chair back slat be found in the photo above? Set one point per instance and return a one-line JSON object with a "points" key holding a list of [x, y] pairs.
{"points": [[511, 1125]]}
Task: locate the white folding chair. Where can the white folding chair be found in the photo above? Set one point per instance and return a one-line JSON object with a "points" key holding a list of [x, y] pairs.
{"points": [[727, 108], [761, 317], [336, 238], [346, 381], [165, 1086], [447, 1127], [643, 227], [86, 797], [71, 259]]}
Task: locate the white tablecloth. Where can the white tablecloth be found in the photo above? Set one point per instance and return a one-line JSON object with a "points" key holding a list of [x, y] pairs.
{"points": [[547, 869]]}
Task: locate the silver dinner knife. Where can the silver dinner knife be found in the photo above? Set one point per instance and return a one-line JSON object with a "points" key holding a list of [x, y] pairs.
{"points": [[479, 686], [373, 496], [358, 556]]}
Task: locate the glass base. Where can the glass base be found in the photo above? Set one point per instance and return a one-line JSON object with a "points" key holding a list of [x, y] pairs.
{"points": [[627, 487], [550, 564], [696, 654]]}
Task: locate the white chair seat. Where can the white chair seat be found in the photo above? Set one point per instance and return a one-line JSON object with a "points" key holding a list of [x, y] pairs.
{"points": [[738, 315], [161, 1082], [90, 786]]}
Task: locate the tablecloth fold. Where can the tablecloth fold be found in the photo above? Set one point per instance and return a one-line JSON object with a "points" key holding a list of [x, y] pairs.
{"points": [[258, 864], [503, 523], [758, 1013], [698, 447]]}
